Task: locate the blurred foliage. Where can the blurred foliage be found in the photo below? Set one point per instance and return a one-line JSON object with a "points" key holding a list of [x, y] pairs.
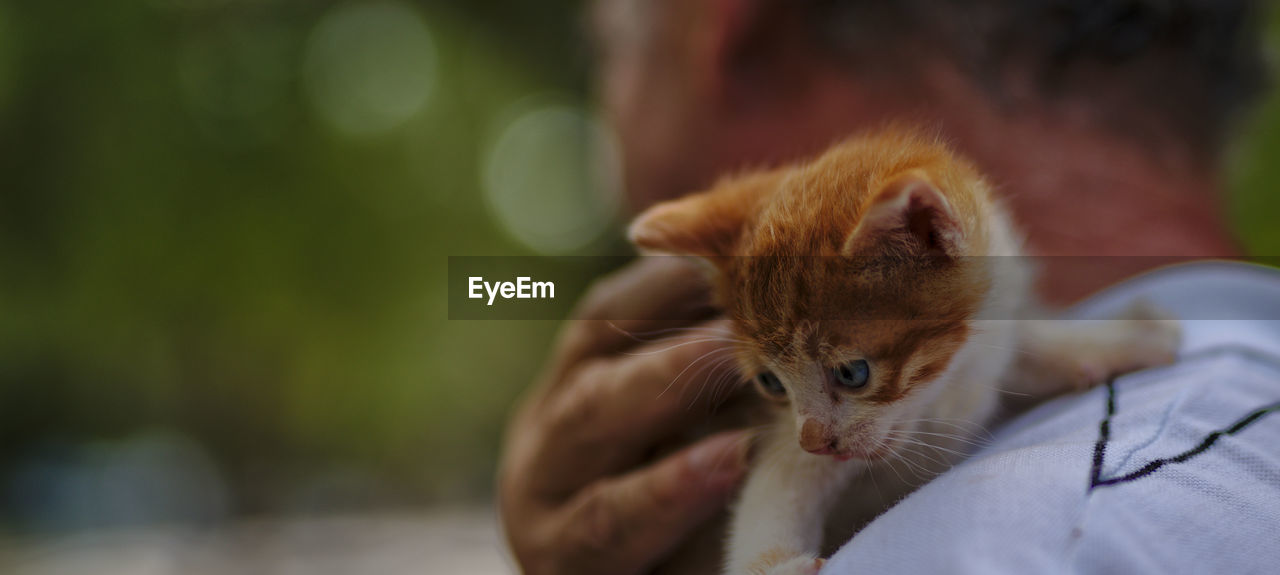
{"points": [[187, 245], [1255, 164]]}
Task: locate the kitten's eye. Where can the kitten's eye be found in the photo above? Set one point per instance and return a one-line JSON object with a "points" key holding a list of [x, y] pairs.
{"points": [[770, 383], [854, 374]]}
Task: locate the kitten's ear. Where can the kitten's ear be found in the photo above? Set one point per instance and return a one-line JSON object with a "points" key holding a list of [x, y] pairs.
{"points": [[910, 213], [708, 224]]}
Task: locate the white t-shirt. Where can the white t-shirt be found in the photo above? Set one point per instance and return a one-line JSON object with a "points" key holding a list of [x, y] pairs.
{"points": [[1185, 479]]}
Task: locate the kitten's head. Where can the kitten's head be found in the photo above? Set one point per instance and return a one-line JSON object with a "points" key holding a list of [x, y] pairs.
{"points": [[847, 279]]}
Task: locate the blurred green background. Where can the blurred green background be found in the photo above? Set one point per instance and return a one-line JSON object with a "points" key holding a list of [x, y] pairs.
{"points": [[223, 236]]}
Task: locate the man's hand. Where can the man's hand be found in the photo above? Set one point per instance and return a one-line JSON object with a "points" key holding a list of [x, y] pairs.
{"points": [[578, 490]]}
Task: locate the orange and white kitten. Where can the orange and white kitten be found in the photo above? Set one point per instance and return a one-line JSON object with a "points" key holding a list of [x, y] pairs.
{"points": [[862, 295]]}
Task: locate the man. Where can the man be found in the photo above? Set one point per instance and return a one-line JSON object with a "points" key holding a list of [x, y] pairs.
{"points": [[1101, 121]]}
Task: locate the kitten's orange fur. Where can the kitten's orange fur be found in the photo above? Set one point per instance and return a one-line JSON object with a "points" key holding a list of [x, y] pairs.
{"points": [[875, 252]]}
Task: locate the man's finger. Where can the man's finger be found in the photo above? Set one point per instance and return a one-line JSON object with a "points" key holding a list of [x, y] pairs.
{"points": [[661, 385], [627, 524], [636, 304], [617, 409]]}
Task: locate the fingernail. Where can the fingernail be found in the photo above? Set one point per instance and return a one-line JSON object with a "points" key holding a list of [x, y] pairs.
{"points": [[722, 459]]}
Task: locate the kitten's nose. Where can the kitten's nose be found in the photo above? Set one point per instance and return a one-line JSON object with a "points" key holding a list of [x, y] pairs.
{"points": [[816, 439]]}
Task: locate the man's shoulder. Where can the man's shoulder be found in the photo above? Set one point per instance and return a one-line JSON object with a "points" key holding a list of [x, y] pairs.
{"points": [[1173, 469]]}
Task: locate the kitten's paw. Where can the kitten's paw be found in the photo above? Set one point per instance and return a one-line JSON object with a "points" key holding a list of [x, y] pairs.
{"points": [[781, 562], [796, 566], [1142, 337], [1152, 338], [1141, 309]]}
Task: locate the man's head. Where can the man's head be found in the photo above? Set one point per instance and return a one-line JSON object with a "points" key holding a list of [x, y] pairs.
{"points": [[698, 88]]}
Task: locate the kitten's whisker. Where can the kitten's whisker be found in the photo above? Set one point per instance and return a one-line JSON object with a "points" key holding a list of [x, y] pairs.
{"points": [[669, 330], [726, 382], [909, 437], [975, 429], [871, 472], [731, 379], [960, 432], [894, 469], [960, 423], [918, 467], [711, 365], [937, 448], [911, 449], [672, 333], [681, 344], [717, 364], [912, 466], [950, 436], [691, 364]]}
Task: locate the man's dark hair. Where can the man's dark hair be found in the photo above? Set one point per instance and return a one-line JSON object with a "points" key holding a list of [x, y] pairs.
{"points": [[1184, 68]]}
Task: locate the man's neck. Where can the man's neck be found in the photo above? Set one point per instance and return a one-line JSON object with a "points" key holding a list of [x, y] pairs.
{"points": [[1098, 207], [1099, 213]]}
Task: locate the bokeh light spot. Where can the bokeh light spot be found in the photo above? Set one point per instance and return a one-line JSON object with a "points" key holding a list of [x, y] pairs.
{"points": [[369, 67], [552, 179]]}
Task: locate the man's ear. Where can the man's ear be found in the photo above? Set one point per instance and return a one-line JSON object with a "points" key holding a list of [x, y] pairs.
{"points": [[708, 224], [909, 215]]}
